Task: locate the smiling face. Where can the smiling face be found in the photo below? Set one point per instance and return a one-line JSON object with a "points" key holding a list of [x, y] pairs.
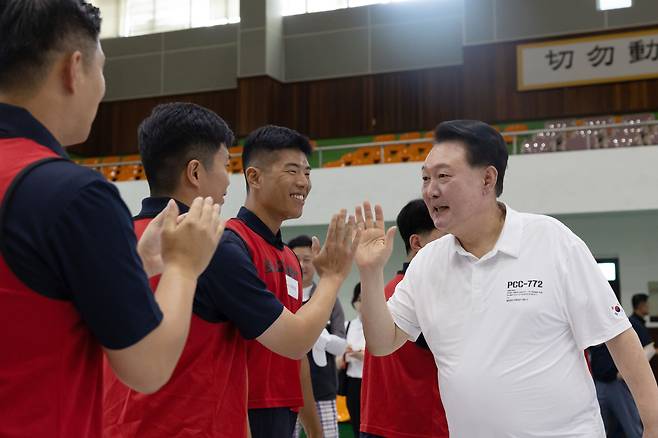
{"points": [[285, 184], [454, 191]]}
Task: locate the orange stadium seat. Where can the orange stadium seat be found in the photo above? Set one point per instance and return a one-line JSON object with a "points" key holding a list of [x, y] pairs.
{"points": [[337, 163], [347, 159], [383, 138], [393, 153], [512, 128], [235, 165], [110, 172], [111, 159], [137, 171], [369, 154], [89, 161], [419, 151], [124, 175], [366, 161], [410, 136], [397, 154], [129, 158]]}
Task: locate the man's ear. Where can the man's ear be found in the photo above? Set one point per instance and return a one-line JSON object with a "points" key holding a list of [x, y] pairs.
{"points": [[253, 176], [490, 179], [70, 67], [415, 243], [192, 172]]}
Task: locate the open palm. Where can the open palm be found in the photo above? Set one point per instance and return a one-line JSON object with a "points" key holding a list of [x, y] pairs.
{"points": [[376, 244], [335, 257]]}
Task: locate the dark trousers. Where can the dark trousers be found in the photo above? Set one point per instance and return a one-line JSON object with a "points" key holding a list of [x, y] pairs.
{"points": [[368, 435], [354, 403], [272, 422], [620, 415]]}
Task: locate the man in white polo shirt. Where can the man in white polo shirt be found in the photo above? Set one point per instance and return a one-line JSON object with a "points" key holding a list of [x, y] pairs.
{"points": [[507, 302]]}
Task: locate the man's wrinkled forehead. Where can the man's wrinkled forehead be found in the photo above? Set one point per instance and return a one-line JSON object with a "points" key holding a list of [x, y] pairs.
{"points": [[446, 154]]}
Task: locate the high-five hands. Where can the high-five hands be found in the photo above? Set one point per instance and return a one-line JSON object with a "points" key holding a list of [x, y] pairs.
{"points": [[336, 256], [376, 243]]}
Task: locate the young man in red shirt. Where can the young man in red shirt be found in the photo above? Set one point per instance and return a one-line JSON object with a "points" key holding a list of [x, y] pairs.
{"points": [[278, 181], [72, 279], [184, 149], [400, 393]]}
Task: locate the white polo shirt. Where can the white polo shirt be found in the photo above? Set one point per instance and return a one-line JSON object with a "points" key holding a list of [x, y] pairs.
{"points": [[508, 331]]}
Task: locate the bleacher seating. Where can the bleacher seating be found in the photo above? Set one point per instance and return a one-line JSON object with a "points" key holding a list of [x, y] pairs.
{"points": [[595, 133], [512, 128], [592, 133], [395, 153], [537, 144]]}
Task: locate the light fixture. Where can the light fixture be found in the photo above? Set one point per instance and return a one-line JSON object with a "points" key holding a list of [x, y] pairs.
{"points": [[606, 5]]}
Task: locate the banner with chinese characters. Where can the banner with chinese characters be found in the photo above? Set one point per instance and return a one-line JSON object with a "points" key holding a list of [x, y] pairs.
{"points": [[615, 57]]}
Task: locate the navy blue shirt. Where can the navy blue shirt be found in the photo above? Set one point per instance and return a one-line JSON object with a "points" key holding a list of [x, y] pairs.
{"points": [[603, 367], [68, 235], [640, 327], [230, 288]]}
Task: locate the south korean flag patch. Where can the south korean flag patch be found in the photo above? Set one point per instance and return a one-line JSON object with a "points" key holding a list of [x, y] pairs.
{"points": [[618, 311]]}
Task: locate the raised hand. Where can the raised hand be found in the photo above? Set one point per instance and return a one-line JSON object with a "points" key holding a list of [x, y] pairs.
{"points": [[376, 244], [336, 256], [149, 246], [189, 244]]}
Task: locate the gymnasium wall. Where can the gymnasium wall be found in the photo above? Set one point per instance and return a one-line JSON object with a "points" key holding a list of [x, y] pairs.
{"points": [[360, 71], [488, 21], [397, 68]]}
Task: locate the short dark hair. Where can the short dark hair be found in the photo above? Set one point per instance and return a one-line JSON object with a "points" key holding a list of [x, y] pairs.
{"points": [[273, 138], [31, 31], [484, 145], [639, 299], [302, 241], [356, 294], [414, 218], [174, 134]]}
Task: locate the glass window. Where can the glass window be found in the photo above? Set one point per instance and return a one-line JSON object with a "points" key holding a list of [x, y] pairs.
{"points": [[138, 17], [294, 7]]}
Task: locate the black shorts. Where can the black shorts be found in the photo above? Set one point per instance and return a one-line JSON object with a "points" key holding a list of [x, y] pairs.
{"points": [[272, 422]]}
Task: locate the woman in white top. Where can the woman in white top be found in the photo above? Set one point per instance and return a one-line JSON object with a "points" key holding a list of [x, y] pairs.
{"points": [[353, 359]]}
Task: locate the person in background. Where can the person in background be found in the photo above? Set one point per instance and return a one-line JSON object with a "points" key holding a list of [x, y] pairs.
{"points": [[400, 392], [353, 361], [620, 414], [323, 377], [638, 319]]}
